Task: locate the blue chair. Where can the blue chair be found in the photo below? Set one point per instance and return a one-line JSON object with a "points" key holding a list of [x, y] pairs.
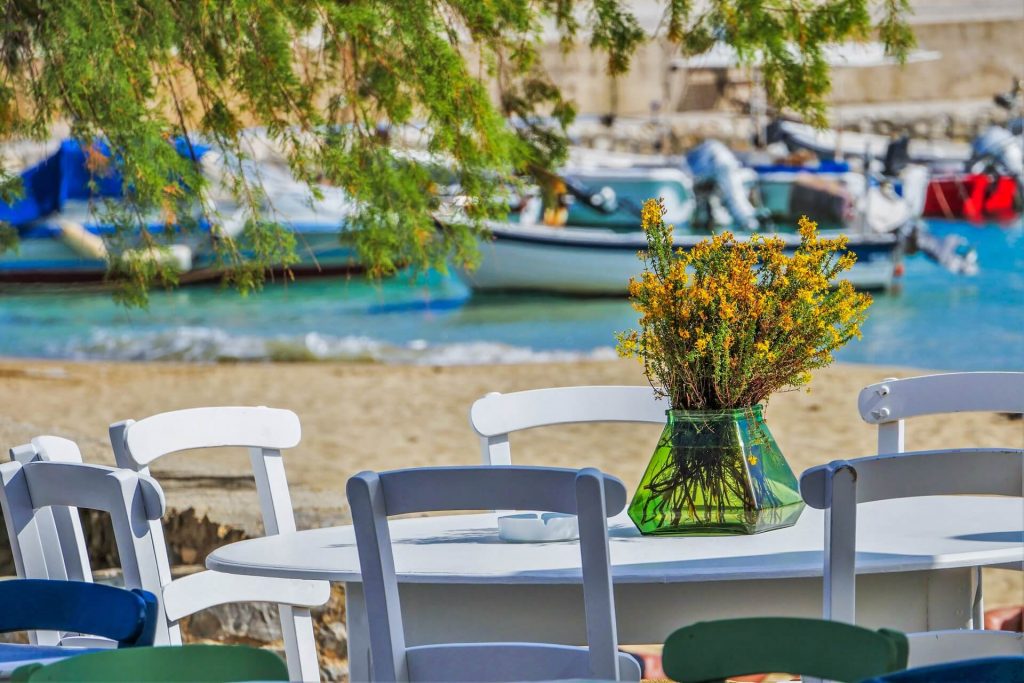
{"points": [[126, 617], [991, 669]]}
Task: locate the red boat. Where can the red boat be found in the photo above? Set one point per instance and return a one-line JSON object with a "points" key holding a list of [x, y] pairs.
{"points": [[972, 197]]}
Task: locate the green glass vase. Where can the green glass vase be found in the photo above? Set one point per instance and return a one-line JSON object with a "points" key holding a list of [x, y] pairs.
{"points": [[716, 472]]}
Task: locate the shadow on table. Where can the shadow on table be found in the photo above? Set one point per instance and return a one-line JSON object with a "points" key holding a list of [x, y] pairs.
{"points": [[994, 537]]}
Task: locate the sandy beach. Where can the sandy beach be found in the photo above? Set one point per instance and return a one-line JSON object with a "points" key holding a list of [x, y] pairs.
{"points": [[364, 416]]}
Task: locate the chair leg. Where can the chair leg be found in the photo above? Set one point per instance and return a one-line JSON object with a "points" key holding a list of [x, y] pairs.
{"points": [[358, 634], [978, 609], [299, 643]]}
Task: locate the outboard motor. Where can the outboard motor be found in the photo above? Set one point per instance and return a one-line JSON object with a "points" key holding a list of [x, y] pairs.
{"points": [[603, 200], [897, 157], [1000, 152], [798, 136], [713, 162], [952, 252]]}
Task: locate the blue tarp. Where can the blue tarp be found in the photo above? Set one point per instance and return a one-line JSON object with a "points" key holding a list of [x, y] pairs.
{"points": [[824, 166], [64, 176]]}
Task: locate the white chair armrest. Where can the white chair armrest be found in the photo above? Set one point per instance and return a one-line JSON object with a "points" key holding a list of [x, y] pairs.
{"points": [[205, 589]]}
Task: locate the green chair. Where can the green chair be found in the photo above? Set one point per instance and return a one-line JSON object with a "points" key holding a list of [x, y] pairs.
{"points": [[714, 650], [197, 663]]}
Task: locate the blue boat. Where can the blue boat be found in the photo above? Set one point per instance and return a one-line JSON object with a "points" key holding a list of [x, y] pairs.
{"points": [[60, 240]]}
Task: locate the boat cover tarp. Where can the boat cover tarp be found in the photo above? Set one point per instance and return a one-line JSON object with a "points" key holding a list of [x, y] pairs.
{"points": [[66, 176]]}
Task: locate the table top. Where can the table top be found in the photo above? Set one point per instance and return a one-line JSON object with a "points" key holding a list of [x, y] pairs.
{"points": [[911, 534]]}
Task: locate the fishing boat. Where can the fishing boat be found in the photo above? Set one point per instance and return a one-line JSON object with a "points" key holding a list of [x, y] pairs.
{"points": [[59, 250], [880, 218], [983, 181], [974, 197], [599, 262], [61, 238], [990, 186]]}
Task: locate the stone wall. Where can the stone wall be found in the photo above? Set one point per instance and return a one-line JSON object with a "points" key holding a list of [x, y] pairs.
{"points": [[978, 60], [675, 133]]}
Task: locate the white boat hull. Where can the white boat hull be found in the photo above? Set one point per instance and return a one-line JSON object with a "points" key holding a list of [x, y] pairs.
{"points": [[585, 262]]}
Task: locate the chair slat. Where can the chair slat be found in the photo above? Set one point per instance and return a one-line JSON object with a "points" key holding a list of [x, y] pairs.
{"points": [[95, 487], [213, 427], [973, 471], [429, 489], [497, 414], [953, 392], [206, 589]]}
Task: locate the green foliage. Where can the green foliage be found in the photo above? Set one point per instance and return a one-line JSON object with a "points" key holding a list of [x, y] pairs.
{"points": [[326, 77], [767, 31]]}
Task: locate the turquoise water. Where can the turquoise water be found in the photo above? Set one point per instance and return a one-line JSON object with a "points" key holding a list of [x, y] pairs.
{"points": [[938, 320]]}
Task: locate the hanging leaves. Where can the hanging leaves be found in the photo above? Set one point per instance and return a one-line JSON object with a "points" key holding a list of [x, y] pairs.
{"points": [[330, 82]]}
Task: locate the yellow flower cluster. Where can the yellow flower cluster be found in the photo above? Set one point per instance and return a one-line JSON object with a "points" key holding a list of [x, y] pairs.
{"points": [[732, 320]]}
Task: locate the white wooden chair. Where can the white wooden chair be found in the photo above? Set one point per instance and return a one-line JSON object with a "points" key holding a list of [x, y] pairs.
{"points": [[265, 432], [839, 486], [60, 532], [587, 493], [136, 504], [496, 415], [890, 402]]}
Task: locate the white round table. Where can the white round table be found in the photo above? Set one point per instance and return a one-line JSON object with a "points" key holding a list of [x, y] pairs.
{"points": [[459, 582]]}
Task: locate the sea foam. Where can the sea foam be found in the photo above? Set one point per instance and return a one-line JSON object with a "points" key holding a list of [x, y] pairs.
{"points": [[206, 344]]}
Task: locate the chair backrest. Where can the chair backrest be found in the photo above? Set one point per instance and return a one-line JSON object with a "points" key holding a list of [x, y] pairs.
{"points": [[716, 650], [839, 486], [59, 527], [131, 499], [148, 566], [195, 663], [126, 616], [264, 431], [496, 415], [889, 402], [587, 493]]}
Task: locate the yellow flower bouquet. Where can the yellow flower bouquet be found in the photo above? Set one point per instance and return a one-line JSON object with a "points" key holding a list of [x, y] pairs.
{"points": [[722, 327]]}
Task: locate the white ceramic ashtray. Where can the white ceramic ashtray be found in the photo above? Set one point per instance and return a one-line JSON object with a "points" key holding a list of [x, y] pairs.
{"points": [[538, 527]]}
